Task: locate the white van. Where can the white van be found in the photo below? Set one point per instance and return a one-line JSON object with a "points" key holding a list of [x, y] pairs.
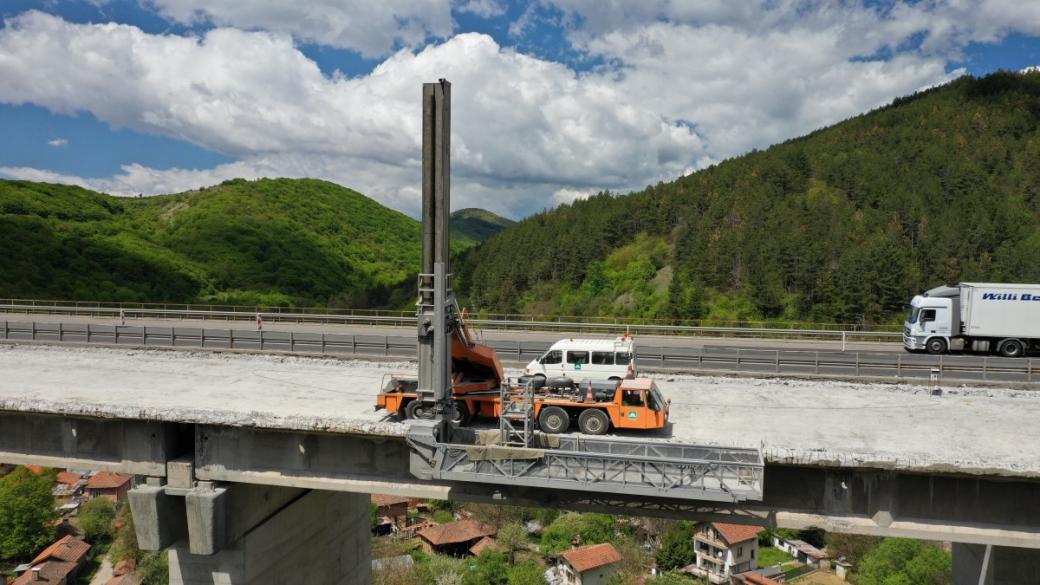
{"points": [[602, 359]]}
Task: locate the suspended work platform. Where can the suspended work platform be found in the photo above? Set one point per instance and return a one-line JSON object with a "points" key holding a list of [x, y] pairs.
{"points": [[603, 465]]}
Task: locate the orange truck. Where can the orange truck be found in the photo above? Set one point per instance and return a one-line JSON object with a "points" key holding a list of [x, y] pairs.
{"points": [[596, 407]]}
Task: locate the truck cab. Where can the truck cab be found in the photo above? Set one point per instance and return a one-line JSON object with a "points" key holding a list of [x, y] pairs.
{"points": [[933, 319]]}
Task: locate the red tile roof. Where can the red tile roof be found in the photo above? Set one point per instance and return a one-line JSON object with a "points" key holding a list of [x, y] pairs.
{"points": [[70, 478], [483, 544], [456, 532], [56, 562], [590, 557], [106, 480], [734, 533], [67, 549], [384, 501]]}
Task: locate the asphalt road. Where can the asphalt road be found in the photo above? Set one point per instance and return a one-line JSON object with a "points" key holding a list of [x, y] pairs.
{"points": [[763, 357]]}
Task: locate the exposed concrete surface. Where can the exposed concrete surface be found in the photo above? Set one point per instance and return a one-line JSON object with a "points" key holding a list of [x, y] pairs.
{"points": [[986, 431]]}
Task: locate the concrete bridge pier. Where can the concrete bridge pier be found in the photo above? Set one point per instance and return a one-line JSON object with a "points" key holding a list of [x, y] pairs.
{"points": [[231, 534], [980, 564]]}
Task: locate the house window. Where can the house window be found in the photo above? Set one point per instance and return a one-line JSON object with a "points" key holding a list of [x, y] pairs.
{"points": [[752, 553], [740, 551]]}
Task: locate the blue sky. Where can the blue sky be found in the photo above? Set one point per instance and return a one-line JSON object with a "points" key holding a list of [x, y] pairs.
{"points": [[555, 99]]}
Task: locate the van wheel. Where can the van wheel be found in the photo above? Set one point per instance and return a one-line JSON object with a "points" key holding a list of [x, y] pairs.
{"points": [[1012, 348], [418, 409], [936, 345], [593, 422], [553, 420]]}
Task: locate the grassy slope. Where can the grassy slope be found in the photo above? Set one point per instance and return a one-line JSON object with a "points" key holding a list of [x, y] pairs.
{"points": [[472, 226], [843, 225]]}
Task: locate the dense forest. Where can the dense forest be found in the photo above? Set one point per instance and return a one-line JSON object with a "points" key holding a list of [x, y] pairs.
{"points": [[266, 242], [842, 225]]}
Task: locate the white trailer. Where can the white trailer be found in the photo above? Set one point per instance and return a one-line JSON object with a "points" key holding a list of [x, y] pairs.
{"points": [[975, 317]]}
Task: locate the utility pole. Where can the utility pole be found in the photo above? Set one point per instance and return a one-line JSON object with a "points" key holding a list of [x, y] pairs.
{"points": [[436, 297]]}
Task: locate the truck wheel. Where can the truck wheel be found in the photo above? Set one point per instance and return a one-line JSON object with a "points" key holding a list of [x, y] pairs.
{"points": [[936, 345], [417, 409], [553, 420], [461, 414], [1012, 348], [593, 422]]}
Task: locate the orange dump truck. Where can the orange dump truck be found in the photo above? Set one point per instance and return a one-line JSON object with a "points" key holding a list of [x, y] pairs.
{"points": [[595, 407]]}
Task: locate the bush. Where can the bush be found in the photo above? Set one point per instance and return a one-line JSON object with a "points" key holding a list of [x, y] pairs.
{"points": [[26, 513], [677, 549], [582, 528], [95, 519]]}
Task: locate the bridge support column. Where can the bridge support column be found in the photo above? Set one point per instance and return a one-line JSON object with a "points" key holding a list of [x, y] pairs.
{"points": [[979, 564], [313, 537]]}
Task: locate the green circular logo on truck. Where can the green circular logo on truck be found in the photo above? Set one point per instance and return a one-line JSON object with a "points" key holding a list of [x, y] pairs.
{"points": [[632, 415]]}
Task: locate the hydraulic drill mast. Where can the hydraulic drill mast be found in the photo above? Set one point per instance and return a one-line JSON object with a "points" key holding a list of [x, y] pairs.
{"points": [[436, 304]]}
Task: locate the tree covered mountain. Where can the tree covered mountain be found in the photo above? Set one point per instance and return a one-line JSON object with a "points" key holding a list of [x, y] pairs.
{"points": [[842, 225], [280, 241], [473, 226]]}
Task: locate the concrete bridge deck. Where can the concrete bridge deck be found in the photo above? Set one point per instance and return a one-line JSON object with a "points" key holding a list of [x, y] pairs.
{"points": [[900, 427]]}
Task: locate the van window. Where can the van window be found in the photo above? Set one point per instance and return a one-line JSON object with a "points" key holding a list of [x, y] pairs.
{"points": [[632, 398], [622, 358], [552, 357], [602, 358], [577, 357]]}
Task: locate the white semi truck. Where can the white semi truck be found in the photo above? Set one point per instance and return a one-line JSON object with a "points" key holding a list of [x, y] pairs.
{"points": [[975, 317]]}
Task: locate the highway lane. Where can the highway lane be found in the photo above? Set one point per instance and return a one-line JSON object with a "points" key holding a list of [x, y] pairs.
{"points": [[488, 334], [670, 353]]}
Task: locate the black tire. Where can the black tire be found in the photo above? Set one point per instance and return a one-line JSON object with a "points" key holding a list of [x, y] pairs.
{"points": [[560, 382], [417, 409], [462, 416], [554, 420], [936, 345], [593, 421], [1012, 348]]}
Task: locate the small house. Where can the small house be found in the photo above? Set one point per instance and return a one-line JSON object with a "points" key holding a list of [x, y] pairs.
{"points": [[58, 564], [724, 550], [588, 565], [454, 538], [106, 484]]}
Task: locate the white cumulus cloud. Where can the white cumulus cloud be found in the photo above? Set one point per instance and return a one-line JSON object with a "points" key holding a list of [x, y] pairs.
{"points": [[58, 142]]}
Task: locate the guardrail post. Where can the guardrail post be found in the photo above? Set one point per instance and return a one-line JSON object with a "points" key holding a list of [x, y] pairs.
{"points": [[842, 341], [899, 365], [777, 360], [857, 363], [202, 338], [517, 351], [261, 340], [386, 345], [1029, 370], [7, 332], [34, 330], [61, 332], [661, 350], [941, 372], [985, 368], [323, 343], [817, 362], [116, 329], [231, 339], [353, 344], [292, 343], [144, 335], [173, 337], [738, 359], [88, 332]]}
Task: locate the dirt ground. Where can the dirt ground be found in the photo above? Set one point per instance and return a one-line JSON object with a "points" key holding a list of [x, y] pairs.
{"points": [[820, 578]]}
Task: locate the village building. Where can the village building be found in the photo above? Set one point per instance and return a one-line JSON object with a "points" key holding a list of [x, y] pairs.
{"points": [[106, 484], [454, 538], [68, 484], [802, 551], [724, 550], [391, 513], [58, 564], [588, 565]]}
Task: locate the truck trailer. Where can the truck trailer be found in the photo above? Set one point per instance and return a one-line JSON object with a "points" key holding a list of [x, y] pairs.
{"points": [[975, 317]]}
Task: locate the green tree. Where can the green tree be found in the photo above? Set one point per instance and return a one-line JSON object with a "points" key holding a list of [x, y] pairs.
{"points": [[672, 578], [26, 514], [512, 537], [490, 568], [579, 529], [677, 548], [851, 546], [901, 560], [95, 519], [527, 573]]}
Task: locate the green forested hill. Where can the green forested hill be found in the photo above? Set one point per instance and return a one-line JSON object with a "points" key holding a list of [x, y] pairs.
{"points": [[472, 226], [842, 225], [264, 242]]}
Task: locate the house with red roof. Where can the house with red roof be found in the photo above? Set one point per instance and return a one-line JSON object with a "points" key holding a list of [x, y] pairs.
{"points": [[588, 565], [58, 564], [106, 484], [724, 550], [454, 538]]}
